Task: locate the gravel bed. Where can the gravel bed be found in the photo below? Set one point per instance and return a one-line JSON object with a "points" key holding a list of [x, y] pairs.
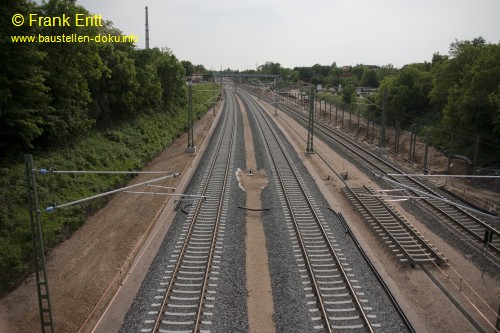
{"points": [[229, 312], [134, 320], [290, 307], [385, 312], [452, 238]]}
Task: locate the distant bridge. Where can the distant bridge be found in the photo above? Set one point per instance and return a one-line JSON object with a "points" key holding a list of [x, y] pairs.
{"points": [[261, 76]]}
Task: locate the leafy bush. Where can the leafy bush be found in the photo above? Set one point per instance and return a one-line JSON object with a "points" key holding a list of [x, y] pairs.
{"points": [[127, 146]]}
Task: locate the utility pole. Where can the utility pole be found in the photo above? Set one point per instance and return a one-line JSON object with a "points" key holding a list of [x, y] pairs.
{"points": [[275, 104], [147, 29], [190, 146], [383, 121], [426, 149], [42, 284], [310, 126]]}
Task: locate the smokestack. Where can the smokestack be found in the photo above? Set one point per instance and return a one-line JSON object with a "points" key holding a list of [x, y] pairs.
{"points": [[147, 29]]}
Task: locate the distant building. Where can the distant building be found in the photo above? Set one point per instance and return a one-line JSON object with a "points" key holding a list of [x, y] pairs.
{"points": [[346, 71], [197, 77]]}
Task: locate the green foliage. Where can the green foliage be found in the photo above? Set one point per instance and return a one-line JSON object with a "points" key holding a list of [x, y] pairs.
{"points": [[495, 101], [78, 106], [188, 67], [150, 89], [114, 92], [52, 94], [171, 76], [469, 104], [348, 94], [329, 98], [71, 67], [125, 146], [407, 94], [24, 97], [466, 92], [272, 68]]}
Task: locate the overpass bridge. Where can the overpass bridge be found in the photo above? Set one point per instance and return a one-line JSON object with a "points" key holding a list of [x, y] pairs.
{"points": [[242, 75]]}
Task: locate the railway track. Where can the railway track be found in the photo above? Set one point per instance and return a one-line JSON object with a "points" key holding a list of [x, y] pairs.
{"points": [[462, 222], [404, 240], [336, 300], [185, 295]]}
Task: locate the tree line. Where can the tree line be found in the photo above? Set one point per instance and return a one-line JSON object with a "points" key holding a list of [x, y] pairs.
{"points": [[54, 93], [455, 92], [74, 106]]}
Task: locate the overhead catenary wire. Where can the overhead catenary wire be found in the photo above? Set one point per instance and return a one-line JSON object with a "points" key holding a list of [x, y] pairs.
{"points": [[433, 175], [171, 194], [48, 171], [430, 196], [159, 186], [52, 208], [150, 193], [461, 290]]}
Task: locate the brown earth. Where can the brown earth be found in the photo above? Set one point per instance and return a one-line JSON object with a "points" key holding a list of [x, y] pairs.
{"points": [[260, 298], [85, 271]]}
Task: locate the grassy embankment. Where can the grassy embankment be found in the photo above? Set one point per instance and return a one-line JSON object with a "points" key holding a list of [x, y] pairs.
{"points": [[126, 146]]}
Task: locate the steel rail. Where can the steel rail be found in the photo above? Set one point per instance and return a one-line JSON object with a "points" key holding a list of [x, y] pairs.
{"points": [[216, 229], [198, 166], [317, 291], [198, 207], [387, 290], [384, 212], [385, 166]]}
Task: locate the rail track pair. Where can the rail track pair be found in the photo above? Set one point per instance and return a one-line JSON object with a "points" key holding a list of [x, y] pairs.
{"points": [[185, 298], [481, 235]]}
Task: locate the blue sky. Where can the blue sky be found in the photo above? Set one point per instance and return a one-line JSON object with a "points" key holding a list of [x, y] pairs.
{"points": [[243, 34]]}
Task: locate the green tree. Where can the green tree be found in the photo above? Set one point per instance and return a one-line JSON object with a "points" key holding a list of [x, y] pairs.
{"points": [[188, 67], [384, 71], [149, 95], [357, 72], [294, 76], [466, 84], [407, 94], [270, 67], [171, 75], [495, 100], [348, 94], [444, 77], [71, 67], [115, 91], [369, 78], [24, 96], [305, 73]]}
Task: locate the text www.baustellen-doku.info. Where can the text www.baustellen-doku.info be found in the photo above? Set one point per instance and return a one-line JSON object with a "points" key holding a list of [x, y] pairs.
{"points": [[76, 20]]}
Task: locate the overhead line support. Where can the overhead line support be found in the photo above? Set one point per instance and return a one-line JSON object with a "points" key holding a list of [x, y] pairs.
{"points": [[42, 284], [310, 125]]}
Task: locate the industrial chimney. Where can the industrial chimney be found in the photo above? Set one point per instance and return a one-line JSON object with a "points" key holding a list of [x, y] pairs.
{"points": [[147, 29]]}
